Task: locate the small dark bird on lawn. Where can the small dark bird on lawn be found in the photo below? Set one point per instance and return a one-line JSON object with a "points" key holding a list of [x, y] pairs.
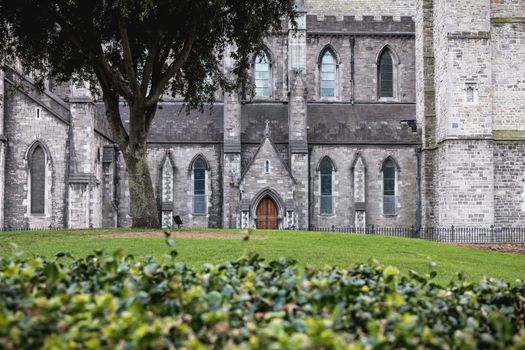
{"points": [[246, 238]]}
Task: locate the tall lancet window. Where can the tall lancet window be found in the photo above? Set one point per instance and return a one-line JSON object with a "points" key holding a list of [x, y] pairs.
{"points": [[262, 75], [386, 75], [389, 187], [326, 169], [38, 181], [328, 72], [199, 187]]}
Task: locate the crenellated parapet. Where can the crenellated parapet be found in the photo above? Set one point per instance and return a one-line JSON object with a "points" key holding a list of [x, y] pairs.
{"points": [[365, 25]]}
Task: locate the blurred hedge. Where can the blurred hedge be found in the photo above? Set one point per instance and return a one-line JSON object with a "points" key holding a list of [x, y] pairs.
{"points": [[117, 302]]}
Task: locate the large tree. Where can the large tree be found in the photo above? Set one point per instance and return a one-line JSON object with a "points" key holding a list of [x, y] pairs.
{"points": [[136, 51]]}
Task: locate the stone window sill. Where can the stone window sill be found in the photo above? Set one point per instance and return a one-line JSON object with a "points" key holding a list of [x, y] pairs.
{"points": [[328, 99], [261, 99], [388, 99]]}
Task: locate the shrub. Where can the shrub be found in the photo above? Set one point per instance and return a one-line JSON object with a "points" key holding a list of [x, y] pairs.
{"points": [[115, 301]]}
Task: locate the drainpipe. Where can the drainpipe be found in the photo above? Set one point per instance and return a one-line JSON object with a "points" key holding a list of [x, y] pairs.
{"points": [[352, 81], [310, 190], [116, 181], [418, 190]]}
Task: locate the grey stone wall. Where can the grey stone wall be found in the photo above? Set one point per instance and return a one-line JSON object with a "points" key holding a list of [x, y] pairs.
{"points": [[467, 67], [182, 156], [22, 129], [343, 185], [255, 179], [509, 184], [366, 52], [508, 71], [466, 183], [507, 8]]}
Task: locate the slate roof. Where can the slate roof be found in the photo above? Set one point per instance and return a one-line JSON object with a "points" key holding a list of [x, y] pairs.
{"points": [[328, 123], [254, 122], [173, 124], [362, 123]]}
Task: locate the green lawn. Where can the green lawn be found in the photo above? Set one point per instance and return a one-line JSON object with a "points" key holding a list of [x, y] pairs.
{"points": [[319, 249]]}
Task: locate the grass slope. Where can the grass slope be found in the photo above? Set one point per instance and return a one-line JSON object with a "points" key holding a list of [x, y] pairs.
{"points": [[318, 249]]}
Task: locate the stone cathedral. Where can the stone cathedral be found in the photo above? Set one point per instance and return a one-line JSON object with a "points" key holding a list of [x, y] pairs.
{"points": [[393, 113]]}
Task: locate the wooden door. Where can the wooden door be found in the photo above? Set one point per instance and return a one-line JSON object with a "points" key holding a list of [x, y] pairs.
{"points": [[267, 214]]}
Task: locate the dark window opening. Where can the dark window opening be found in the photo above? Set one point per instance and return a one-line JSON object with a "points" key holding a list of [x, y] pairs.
{"points": [[199, 187], [386, 75], [326, 186], [38, 181], [389, 188]]}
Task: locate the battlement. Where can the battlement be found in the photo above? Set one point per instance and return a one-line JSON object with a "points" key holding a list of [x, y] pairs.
{"points": [[352, 24], [361, 8]]}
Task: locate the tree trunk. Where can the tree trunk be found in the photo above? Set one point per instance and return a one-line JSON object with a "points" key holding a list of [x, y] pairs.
{"points": [[134, 147], [143, 204]]}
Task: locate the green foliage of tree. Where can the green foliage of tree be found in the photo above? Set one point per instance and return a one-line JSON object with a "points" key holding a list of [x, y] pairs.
{"points": [[137, 50]]}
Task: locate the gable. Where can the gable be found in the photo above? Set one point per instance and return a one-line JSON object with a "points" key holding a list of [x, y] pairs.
{"points": [[256, 169]]}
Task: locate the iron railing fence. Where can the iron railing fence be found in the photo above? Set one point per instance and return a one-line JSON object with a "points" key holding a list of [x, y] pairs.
{"points": [[452, 234], [26, 228]]}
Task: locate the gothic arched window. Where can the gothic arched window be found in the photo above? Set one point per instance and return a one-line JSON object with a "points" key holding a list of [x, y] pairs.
{"points": [[328, 74], [199, 187], [386, 74], [389, 187], [326, 169], [38, 180], [262, 75]]}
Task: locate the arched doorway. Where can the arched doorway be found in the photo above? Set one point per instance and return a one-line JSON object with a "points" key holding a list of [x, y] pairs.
{"points": [[267, 214]]}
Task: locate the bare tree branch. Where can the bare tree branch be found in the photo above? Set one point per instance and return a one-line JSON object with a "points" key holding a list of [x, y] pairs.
{"points": [[128, 58], [111, 101], [151, 60], [172, 68]]}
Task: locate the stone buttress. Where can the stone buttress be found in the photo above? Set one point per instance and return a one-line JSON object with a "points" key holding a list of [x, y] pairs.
{"points": [[297, 119], [81, 181], [231, 155], [2, 150]]}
